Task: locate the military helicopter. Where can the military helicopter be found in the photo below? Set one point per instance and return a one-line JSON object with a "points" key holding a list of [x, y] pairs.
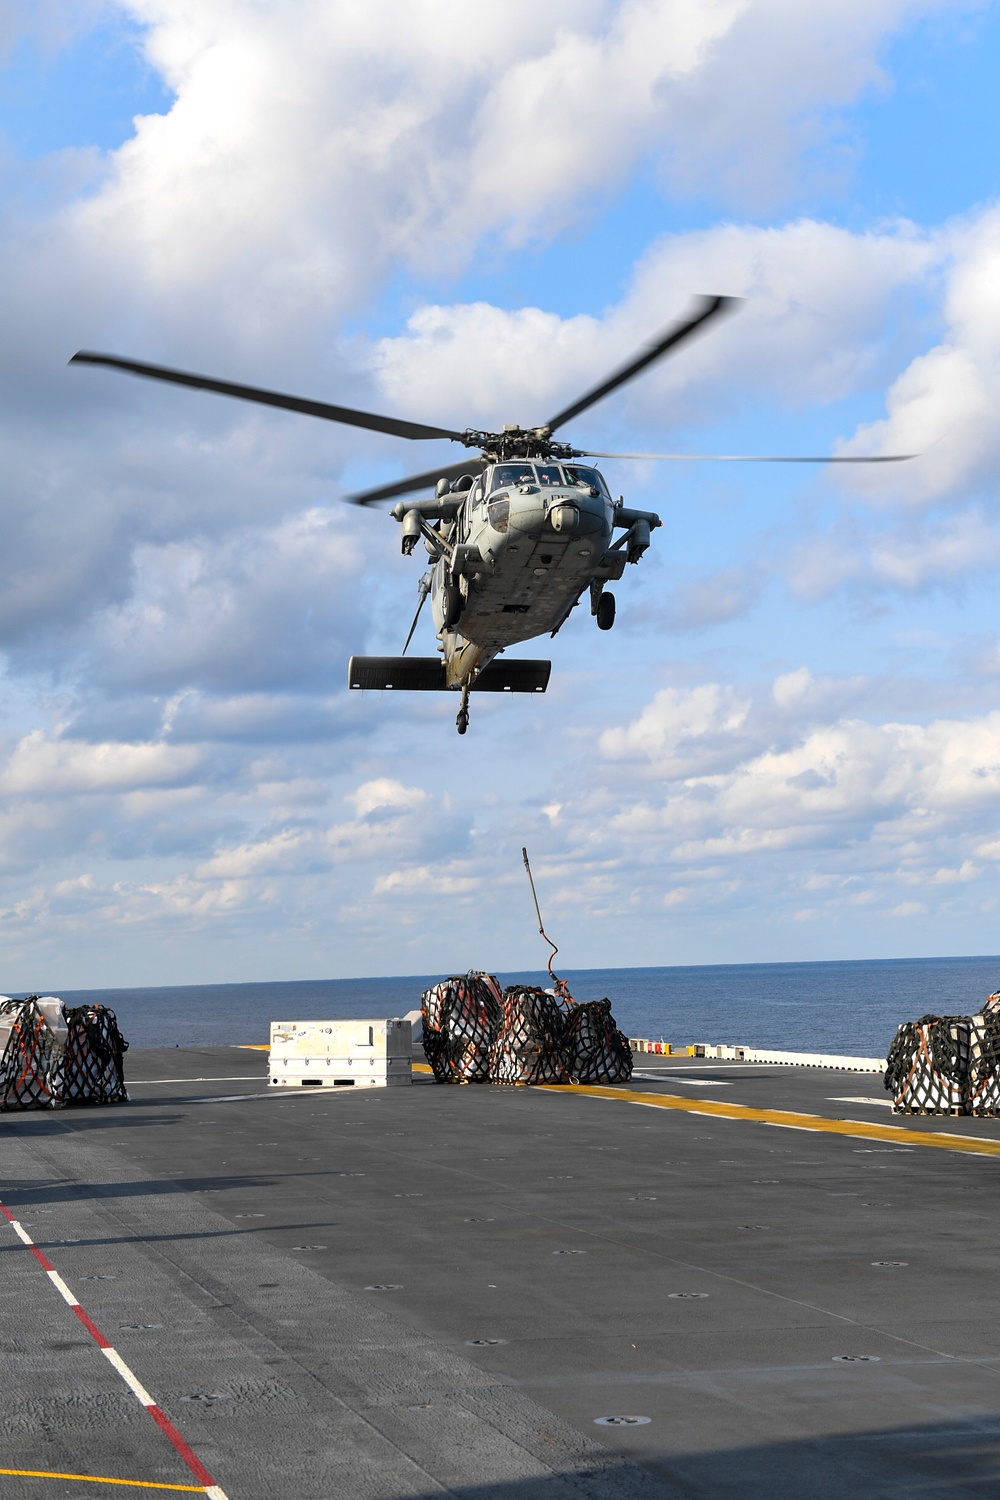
{"points": [[516, 534]]}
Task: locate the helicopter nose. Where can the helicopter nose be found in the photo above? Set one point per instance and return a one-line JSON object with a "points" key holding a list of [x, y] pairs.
{"points": [[577, 515], [564, 519]]}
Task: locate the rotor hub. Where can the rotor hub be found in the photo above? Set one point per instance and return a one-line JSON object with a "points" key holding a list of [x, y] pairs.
{"points": [[519, 442]]}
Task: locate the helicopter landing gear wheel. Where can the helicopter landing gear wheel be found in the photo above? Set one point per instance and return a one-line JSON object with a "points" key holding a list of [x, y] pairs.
{"points": [[605, 611], [462, 719]]}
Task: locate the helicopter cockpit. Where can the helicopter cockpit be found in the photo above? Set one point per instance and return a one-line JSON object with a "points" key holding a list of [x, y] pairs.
{"points": [[545, 476]]}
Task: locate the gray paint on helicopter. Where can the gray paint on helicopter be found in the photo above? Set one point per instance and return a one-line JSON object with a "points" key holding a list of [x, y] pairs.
{"points": [[528, 532]]}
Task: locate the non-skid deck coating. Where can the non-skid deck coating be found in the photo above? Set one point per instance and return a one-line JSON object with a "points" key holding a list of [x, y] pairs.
{"points": [[426, 1291]]}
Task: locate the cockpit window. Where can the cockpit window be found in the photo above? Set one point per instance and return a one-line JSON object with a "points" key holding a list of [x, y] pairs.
{"points": [[586, 478], [549, 474], [505, 474]]}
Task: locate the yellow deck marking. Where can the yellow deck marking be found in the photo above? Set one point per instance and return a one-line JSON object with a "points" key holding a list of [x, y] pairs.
{"points": [[138, 1484], [255, 1046], [790, 1119]]}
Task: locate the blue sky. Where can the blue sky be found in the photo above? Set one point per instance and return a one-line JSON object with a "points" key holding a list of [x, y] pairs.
{"points": [[789, 745]]}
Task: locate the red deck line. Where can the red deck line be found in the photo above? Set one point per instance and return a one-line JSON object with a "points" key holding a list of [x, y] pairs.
{"points": [[161, 1419]]}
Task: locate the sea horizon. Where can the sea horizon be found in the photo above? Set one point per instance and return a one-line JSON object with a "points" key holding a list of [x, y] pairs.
{"points": [[850, 1006]]}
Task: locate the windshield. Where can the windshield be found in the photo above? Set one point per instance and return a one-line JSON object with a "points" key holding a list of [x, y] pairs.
{"points": [[505, 474], [546, 475], [588, 478]]}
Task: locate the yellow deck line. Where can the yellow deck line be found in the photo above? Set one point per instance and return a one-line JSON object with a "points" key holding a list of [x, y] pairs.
{"points": [[139, 1484], [255, 1046], [792, 1120]]}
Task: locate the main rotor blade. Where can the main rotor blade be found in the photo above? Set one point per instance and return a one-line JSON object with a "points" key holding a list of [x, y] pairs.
{"points": [[416, 482], [392, 425], [764, 458], [705, 308]]}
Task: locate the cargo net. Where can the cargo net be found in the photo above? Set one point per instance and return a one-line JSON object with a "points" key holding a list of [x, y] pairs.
{"points": [[947, 1065], [474, 1034], [95, 1050], [928, 1066], [596, 1051], [31, 1068], [52, 1057], [983, 1094], [460, 1021], [530, 1044]]}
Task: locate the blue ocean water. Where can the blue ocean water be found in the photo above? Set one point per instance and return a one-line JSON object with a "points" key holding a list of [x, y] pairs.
{"points": [[848, 1007]]}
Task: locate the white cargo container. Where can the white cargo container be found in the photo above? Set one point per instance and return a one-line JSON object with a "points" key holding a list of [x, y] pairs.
{"points": [[339, 1054]]}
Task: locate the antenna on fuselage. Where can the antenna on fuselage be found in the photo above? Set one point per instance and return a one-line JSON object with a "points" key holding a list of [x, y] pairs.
{"points": [[562, 989]]}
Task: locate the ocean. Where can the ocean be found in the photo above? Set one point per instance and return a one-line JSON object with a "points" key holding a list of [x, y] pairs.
{"points": [[847, 1007]]}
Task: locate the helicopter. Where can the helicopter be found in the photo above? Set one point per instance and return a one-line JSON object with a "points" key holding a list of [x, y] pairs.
{"points": [[516, 533]]}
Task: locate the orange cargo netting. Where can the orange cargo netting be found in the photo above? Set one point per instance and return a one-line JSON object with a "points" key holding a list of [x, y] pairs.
{"points": [[474, 1034], [54, 1057], [947, 1065]]}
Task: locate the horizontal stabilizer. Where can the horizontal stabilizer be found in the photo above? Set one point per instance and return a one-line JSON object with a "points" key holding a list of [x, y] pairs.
{"points": [[426, 674], [407, 674], [502, 676]]}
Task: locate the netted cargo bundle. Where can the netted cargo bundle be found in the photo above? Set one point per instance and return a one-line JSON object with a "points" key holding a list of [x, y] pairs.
{"points": [[927, 1070], [50, 1057], [31, 1067], [95, 1048], [983, 1083], [460, 1020], [594, 1049], [530, 1043]]}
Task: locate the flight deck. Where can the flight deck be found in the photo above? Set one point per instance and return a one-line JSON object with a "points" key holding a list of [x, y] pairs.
{"points": [[718, 1280]]}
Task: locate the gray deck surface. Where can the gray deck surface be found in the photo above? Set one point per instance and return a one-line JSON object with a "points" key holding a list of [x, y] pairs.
{"points": [[228, 1241]]}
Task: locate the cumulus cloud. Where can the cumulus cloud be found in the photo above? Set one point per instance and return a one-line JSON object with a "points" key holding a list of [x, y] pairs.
{"points": [[911, 556], [897, 795], [682, 730], [942, 404], [177, 600], [264, 609], [40, 766], [812, 328], [333, 143]]}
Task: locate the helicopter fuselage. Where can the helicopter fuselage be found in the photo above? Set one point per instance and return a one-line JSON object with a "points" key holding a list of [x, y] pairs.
{"points": [[516, 535], [515, 554]]}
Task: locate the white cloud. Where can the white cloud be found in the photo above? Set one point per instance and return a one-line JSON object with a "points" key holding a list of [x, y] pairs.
{"points": [[903, 791], [423, 881], [943, 404], [330, 144], [385, 795], [264, 609], [916, 554], [43, 767], [177, 751], [681, 731], [811, 329]]}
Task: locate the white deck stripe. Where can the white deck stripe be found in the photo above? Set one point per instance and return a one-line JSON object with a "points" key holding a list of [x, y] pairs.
{"points": [[130, 1380], [62, 1288], [22, 1234], [111, 1355]]}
